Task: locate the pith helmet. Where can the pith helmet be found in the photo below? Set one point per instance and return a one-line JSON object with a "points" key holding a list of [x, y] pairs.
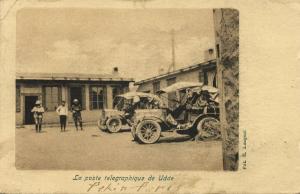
{"points": [[75, 100], [38, 102]]}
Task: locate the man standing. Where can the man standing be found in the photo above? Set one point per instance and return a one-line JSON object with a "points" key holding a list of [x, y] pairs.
{"points": [[38, 111], [62, 111], [76, 110]]}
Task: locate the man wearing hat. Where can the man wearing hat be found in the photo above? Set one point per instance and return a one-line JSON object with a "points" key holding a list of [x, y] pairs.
{"points": [[62, 111], [76, 110], [38, 111]]}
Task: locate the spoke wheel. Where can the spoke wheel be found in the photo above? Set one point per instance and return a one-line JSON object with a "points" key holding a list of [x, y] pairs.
{"points": [[114, 125], [208, 128], [148, 131]]}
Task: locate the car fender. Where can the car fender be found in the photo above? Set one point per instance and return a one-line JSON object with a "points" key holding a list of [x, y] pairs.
{"points": [[161, 122], [114, 116], [200, 117], [157, 119], [123, 120]]}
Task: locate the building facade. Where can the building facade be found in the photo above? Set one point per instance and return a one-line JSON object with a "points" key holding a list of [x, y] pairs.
{"points": [[203, 72], [94, 92]]}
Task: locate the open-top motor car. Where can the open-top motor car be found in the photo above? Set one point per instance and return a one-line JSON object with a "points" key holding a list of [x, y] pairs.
{"points": [[196, 112], [112, 120]]}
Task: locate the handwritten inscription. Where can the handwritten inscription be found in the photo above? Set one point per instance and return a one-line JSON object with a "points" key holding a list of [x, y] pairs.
{"points": [[111, 183], [140, 187]]}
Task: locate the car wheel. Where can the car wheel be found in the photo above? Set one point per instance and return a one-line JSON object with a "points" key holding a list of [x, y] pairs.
{"points": [[114, 124], [208, 128], [100, 126], [148, 131]]}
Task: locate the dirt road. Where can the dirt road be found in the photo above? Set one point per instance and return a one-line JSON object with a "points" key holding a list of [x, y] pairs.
{"points": [[93, 149]]}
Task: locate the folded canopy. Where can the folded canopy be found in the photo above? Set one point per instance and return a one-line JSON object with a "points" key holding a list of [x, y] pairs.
{"points": [[180, 86], [132, 95], [210, 89], [213, 92], [196, 87]]}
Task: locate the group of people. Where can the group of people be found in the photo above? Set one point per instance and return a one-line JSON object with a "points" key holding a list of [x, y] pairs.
{"points": [[197, 99], [146, 103], [62, 110], [191, 100], [139, 103]]}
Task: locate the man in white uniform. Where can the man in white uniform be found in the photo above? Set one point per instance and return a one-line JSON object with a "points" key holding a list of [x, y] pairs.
{"points": [[62, 111]]}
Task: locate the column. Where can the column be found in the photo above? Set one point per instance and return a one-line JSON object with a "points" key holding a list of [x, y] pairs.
{"points": [[109, 97], [64, 93], [87, 97]]}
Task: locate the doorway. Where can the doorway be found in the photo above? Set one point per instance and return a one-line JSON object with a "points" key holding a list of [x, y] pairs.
{"points": [[76, 93], [29, 104]]}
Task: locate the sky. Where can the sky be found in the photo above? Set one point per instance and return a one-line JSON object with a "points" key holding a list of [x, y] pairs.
{"points": [[137, 41]]}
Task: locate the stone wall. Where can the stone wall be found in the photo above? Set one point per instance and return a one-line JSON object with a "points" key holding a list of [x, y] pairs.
{"points": [[227, 46]]}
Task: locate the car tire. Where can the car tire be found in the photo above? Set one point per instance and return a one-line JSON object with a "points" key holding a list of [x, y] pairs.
{"points": [[114, 124], [148, 132], [100, 126], [200, 127]]}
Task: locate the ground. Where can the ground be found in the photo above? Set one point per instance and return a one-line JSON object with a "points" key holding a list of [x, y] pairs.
{"points": [[92, 149]]}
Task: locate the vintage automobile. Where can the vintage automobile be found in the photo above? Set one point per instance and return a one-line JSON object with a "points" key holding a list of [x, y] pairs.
{"points": [[196, 112], [112, 120]]}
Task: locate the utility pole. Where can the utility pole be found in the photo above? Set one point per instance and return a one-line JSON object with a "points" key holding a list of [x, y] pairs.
{"points": [[172, 66]]}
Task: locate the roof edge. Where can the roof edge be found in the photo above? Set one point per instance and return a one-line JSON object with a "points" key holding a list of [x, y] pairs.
{"points": [[176, 71], [71, 77], [75, 79]]}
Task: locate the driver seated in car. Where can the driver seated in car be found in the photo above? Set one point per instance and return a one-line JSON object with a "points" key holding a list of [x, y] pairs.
{"points": [[130, 107], [203, 100], [182, 107]]}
